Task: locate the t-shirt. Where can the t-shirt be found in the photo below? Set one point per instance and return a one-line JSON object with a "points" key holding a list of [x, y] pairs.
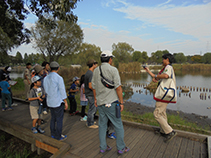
{"points": [[72, 94], [88, 78], [4, 86], [83, 96], [35, 93]]}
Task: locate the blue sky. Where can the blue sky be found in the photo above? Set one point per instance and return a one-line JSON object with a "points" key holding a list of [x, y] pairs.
{"points": [[175, 25]]}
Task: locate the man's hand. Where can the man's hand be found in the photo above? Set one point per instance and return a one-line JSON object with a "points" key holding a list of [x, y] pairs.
{"points": [[66, 106], [95, 103], [122, 107]]}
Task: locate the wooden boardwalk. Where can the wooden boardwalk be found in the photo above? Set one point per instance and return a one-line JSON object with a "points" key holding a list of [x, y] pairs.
{"points": [[85, 142]]}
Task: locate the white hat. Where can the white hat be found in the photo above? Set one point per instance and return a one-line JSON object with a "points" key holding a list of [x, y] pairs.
{"points": [[107, 53], [35, 79]]}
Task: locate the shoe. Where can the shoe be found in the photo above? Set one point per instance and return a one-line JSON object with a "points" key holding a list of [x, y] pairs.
{"points": [[45, 112], [93, 126], [3, 109], [124, 150], [111, 136], [34, 130], [170, 136], [52, 137], [107, 149], [76, 112], [83, 119], [160, 133], [71, 114], [63, 137], [40, 130], [43, 121], [14, 104], [10, 108]]}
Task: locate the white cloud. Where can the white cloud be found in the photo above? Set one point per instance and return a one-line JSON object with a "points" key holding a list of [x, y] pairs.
{"points": [[191, 20]]}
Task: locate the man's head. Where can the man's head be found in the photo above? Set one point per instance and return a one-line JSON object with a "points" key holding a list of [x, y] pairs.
{"points": [[29, 65], [167, 59], [54, 66], [46, 65], [38, 69], [92, 63], [106, 56]]}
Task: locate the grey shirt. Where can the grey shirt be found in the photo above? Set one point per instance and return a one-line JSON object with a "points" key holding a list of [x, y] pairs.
{"points": [[88, 79], [35, 93], [105, 95]]}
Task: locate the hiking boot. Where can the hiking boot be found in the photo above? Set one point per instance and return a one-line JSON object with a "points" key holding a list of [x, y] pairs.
{"points": [[34, 130], [158, 132], [93, 126], [40, 130], [124, 150], [111, 135], [170, 136], [3, 109], [107, 149]]}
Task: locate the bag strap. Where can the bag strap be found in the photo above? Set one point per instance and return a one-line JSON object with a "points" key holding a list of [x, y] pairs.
{"points": [[101, 74]]}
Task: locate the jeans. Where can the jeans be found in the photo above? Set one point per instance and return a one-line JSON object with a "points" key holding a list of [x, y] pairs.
{"points": [[92, 110], [73, 105], [56, 123], [106, 113], [4, 97]]}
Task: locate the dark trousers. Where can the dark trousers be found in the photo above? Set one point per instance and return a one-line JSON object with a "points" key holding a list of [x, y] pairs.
{"points": [[83, 108], [44, 102], [73, 105], [56, 123]]}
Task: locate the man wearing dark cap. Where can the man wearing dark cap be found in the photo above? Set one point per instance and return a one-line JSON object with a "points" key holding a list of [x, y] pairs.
{"points": [[56, 100], [92, 64]]}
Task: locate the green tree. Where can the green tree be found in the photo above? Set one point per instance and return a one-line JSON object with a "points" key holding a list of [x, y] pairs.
{"points": [[144, 57], [157, 56], [14, 12], [206, 58], [196, 59], [87, 52], [136, 56], [52, 43], [25, 58], [19, 58], [122, 51], [4, 58], [180, 58]]}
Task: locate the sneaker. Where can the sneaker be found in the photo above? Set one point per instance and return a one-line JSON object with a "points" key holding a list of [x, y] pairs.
{"points": [[93, 126], [3, 109], [14, 104], [111, 135], [34, 130], [83, 119], [40, 130], [45, 112], [170, 136], [63, 137], [107, 149], [124, 150], [76, 112], [160, 133], [10, 108]]}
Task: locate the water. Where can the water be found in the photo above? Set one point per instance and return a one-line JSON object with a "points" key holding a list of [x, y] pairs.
{"points": [[187, 102]]}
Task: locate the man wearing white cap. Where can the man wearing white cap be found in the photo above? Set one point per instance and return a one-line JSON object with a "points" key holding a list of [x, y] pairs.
{"points": [[107, 91]]}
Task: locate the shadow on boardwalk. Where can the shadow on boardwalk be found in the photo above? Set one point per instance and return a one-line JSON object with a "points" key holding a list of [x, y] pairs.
{"points": [[85, 142]]}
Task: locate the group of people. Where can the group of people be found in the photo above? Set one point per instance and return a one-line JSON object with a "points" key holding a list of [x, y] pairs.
{"points": [[101, 88]]}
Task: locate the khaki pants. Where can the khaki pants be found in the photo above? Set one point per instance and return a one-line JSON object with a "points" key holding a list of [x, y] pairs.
{"points": [[161, 117], [27, 88]]}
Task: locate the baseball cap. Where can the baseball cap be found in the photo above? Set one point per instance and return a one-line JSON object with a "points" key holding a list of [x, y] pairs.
{"points": [[92, 61], [75, 78], [107, 53], [54, 64], [35, 79], [8, 69], [38, 68]]}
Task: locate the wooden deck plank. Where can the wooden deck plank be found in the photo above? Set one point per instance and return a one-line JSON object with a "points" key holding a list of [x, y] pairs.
{"points": [[196, 150], [156, 147], [170, 146], [204, 152], [189, 150], [183, 148], [175, 152]]}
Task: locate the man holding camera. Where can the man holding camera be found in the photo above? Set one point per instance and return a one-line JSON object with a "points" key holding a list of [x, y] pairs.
{"points": [[108, 98]]}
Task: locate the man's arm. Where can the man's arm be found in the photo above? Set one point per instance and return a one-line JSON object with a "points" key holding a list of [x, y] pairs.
{"points": [[94, 93], [119, 94], [65, 104], [90, 85]]}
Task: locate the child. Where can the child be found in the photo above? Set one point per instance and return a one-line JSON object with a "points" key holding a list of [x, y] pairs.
{"points": [[36, 97], [83, 99], [5, 93], [71, 96]]}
